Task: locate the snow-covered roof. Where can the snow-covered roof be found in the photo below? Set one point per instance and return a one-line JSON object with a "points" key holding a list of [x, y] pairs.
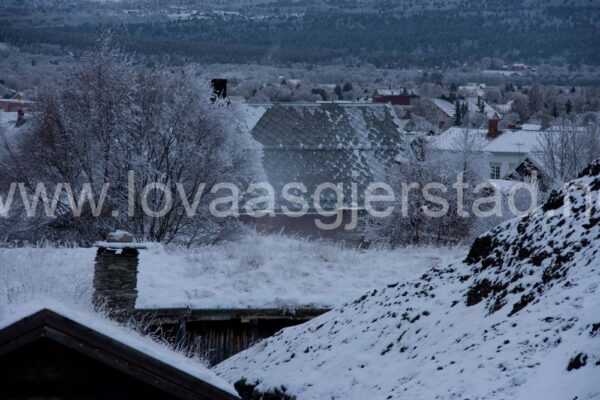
{"points": [[447, 107], [517, 319], [449, 139], [473, 88], [16, 101], [473, 106], [520, 141], [508, 141], [254, 272], [531, 127], [116, 332], [272, 272], [397, 92], [488, 110], [251, 114], [314, 143]]}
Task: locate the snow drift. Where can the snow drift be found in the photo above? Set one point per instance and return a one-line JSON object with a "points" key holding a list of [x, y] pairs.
{"points": [[518, 318]]}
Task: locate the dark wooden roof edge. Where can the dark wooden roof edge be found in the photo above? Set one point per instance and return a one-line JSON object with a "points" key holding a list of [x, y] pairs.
{"points": [[109, 351], [191, 315]]}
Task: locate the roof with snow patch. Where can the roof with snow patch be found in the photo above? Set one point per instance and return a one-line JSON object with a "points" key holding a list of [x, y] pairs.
{"points": [[314, 143]]}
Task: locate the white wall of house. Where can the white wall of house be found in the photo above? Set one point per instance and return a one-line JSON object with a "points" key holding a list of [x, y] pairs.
{"points": [[506, 161]]}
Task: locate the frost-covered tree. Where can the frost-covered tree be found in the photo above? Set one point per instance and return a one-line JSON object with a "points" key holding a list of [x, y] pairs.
{"points": [[427, 173], [568, 146], [520, 105], [108, 119]]}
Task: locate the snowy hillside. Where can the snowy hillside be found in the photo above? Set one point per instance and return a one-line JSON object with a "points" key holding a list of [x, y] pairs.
{"points": [[517, 319]]}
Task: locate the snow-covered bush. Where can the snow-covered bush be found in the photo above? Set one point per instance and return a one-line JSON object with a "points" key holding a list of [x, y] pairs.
{"points": [[109, 116]]}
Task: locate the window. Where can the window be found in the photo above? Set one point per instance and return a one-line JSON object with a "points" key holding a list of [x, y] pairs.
{"points": [[495, 170]]}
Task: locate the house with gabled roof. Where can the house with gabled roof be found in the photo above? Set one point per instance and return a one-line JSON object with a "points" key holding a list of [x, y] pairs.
{"points": [[61, 353], [513, 153], [315, 143], [446, 111], [398, 97]]}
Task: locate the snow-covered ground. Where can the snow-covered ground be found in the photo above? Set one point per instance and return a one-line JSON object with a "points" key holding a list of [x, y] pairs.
{"points": [[8, 121], [256, 271], [519, 318], [8, 125]]}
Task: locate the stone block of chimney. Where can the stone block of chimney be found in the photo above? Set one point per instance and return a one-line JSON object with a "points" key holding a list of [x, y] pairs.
{"points": [[115, 275]]}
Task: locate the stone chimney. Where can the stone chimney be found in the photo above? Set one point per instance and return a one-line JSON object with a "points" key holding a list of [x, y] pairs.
{"points": [[219, 87], [493, 128], [115, 274]]}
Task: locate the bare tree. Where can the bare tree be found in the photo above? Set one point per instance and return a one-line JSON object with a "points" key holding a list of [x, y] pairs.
{"points": [[567, 147], [416, 218]]}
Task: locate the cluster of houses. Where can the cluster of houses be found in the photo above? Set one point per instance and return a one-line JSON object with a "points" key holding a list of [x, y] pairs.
{"points": [[355, 142]]}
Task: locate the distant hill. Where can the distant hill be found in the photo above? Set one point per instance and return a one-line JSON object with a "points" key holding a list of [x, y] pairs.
{"points": [[387, 33]]}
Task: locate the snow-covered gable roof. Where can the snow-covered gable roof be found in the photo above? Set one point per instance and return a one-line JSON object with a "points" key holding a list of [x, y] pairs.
{"points": [[397, 92], [504, 108], [16, 101], [445, 106], [473, 88], [118, 341], [449, 108], [271, 272], [314, 143], [520, 141], [488, 110], [448, 140], [531, 127], [508, 141]]}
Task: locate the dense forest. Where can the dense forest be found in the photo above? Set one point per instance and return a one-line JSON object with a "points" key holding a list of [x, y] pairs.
{"points": [[559, 34]]}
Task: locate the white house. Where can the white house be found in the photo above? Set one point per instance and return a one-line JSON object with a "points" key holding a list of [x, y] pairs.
{"points": [[506, 149], [472, 90]]}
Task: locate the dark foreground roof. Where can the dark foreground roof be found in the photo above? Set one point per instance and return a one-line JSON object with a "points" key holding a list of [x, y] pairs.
{"points": [[313, 143], [49, 333]]}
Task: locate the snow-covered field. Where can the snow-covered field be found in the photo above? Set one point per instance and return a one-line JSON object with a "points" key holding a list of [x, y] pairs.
{"points": [[7, 122], [519, 318], [256, 271]]}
